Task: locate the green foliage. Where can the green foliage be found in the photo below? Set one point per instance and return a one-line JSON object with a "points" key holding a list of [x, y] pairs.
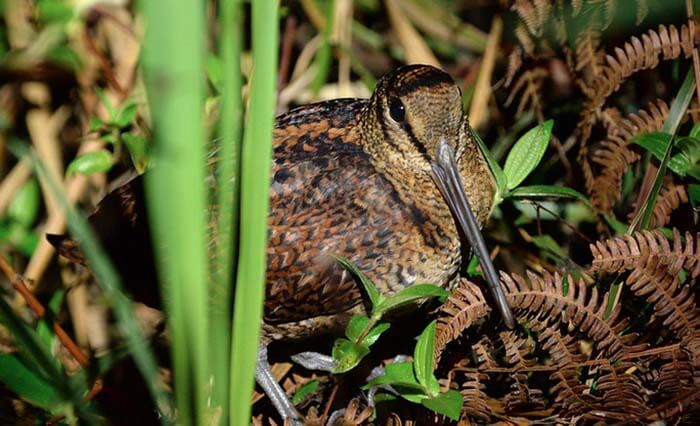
{"points": [[308, 388], [363, 331], [17, 227], [527, 153], [415, 380], [91, 162]]}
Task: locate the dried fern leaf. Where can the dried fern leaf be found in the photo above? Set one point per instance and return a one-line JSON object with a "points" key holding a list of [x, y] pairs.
{"points": [[635, 251], [623, 395], [544, 298], [462, 309], [614, 155], [475, 399], [529, 85], [670, 301], [670, 198], [667, 43]]}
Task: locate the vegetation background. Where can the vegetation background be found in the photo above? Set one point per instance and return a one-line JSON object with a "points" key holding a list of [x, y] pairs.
{"points": [[601, 272]]}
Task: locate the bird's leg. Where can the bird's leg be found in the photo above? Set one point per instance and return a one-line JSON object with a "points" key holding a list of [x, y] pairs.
{"points": [[264, 377]]}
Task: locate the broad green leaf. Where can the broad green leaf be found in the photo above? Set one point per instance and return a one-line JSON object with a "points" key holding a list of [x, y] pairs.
{"points": [[374, 333], [527, 153], [424, 357], [305, 390], [91, 162], [347, 355], [654, 142], [694, 193], [27, 384], [138, 150], [547, 191], [25, 204], [374, 296], [496, 170], [448, 404], [410, 294], [355, 326], [126, 114], [397, 374]]}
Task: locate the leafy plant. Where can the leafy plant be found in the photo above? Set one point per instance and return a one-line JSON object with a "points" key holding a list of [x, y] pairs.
{"points": [[363, 331], [415, 381]]}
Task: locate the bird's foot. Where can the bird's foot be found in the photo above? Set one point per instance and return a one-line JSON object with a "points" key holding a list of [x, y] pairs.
{"points": [[273, 390]]}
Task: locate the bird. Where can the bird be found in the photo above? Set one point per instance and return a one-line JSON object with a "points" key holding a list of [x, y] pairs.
{"points": [[395, 183]]}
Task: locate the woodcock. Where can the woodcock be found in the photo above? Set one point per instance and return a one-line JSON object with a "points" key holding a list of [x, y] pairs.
{"points": [[386, 182]]}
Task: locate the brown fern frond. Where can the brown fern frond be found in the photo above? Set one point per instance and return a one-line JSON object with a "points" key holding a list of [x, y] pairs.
{"points": [[533, 13], [636, 250], [544, 298], [530, 83], [636, 55], [674, 376], [670, 301], [518, 350], [670, 198], [589, 58], [462, 309], [475, 399], [525, 39], [623, 395], [515, 61], [614, 155]]}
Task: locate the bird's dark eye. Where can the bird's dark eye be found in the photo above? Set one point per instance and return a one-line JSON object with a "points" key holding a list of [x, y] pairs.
{"points": [[396, 110]]}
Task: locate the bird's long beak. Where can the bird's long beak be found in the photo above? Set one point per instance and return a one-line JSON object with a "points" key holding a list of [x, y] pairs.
{"points": [[446, 177]]}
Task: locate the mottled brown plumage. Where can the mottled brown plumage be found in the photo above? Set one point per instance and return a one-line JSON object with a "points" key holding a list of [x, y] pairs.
{"points": [[355, 178]]}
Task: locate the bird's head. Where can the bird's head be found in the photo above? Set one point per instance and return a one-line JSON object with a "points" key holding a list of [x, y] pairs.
{"points": [[416, 131]]}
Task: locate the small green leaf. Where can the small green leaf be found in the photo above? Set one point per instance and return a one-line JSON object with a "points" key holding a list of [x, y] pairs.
{"points": [[374, 297], [25, 204], [547, 191], [347, 355], [138, 150], [44, 328], [107, 103], [396, 374], [126, 114], [308, 388], [96, 124], [695, 131], [91, 162], [473, 268], [24, 382], [448, 404], [496, 171], [374, 333], [527, 153], [410, 294], [694, 193], [355, 327], [424, 357]]}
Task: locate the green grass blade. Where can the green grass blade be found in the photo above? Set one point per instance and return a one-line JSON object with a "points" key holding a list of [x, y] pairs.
{"points": [[109, 281], [255, 181], [229, 147], [675, 115], [174, 70]]}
